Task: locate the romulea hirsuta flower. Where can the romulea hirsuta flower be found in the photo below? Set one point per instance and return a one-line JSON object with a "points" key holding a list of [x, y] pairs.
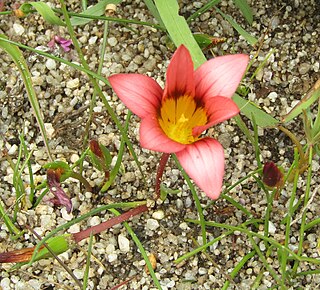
{"points": [[174, 118]]}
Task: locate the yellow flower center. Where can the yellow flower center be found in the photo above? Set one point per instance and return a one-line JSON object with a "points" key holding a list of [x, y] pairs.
{"points": [[179, 116]]}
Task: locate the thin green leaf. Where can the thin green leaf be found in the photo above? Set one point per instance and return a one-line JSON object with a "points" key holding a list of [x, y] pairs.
{"points": [[245, 9], [154, 11], [178, 29], [44, 10], [248, 108], [96, 10], [202, 10], [248, 37], [312, 95], [19, 60]]}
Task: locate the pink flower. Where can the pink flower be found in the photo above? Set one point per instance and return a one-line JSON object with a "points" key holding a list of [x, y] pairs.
{"points": [[64, 43], [173, 119]]}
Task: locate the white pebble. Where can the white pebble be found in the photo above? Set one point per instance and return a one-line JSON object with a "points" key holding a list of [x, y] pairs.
{"points": [[65, 215], [93, 39], [13, 149], [51, 64], [124, 243], [18, 29], [272, 96], [152, 224], [49, 130], [5, 283], [272, 228], [74, 158], [112, 41], [94, 221], [112, 257], [158, 215], [72, 84], [78, 273]]}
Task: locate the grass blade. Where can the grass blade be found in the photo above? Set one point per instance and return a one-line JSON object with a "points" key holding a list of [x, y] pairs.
{"points": [[19, 60], [245, 9]]}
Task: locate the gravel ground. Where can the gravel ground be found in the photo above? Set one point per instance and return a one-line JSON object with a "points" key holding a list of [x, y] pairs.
{"points": [[290, 29]]}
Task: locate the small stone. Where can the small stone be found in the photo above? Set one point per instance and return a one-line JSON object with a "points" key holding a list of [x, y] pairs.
{"points": [[158, 215], [304, 68], [51, 64], [93, 39], [78, 273], [112, 257], [49, 130], [72, 84], [272, 228], [66, 216], [124, 243], [18, 29], [262, 246], [152, 224], [112, 41], [74, 158], [272, 96], [13, 149], [150, 64], [94, 221]]}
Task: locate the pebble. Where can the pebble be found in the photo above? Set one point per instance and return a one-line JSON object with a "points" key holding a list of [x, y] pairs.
{"points": [[95, 220], [158, 215], [124, 243], [51, 64], [49, 130], [304, 68], [78, 273], [272, 228], [18, 29], [150, 64], [112, 41], [112, 257], [72, 84], [152, 224]]}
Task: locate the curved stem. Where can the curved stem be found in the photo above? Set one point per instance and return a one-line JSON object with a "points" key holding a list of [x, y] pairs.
{"points": [[162, 164]]}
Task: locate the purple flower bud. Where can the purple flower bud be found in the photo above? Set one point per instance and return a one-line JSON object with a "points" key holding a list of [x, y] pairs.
{"points": [[271, 175]]}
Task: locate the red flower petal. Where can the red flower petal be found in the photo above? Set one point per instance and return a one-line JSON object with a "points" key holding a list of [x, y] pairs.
{"points": [[153, 138], [220, 76], [204, 163], [218, 109], [141, 94], [180, 74]]}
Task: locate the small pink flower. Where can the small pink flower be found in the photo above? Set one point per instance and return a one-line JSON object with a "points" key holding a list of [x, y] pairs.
{"points": [[173, 119], [64, 43]]}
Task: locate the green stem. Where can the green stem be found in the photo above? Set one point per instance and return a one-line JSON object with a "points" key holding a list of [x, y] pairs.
{"points": [[79, 177], [83, 217], [304, 215]]}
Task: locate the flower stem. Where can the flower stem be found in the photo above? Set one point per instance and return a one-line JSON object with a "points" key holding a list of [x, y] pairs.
{"points": [[162, 164], [109, 223]]}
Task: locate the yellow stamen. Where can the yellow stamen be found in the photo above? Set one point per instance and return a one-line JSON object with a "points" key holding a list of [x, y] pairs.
{"points": [[179, 116]]}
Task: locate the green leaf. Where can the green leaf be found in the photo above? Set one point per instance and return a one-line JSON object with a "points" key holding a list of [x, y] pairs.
{"points": [[153, 10], [179, 30], [248, 108], [44, 10], [248, 37], [312, 95], [245, 9], [20, 62], [67, 171], [96, 10]]}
